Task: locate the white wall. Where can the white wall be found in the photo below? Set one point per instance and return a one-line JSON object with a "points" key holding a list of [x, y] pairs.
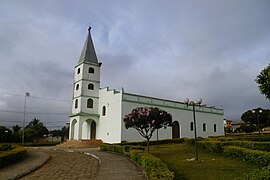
{"points": [[179, 111], [110, 124]]}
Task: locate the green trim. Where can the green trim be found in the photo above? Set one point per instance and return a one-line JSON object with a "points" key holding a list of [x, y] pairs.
{"points": [[89, 63], [162, 105], [86, 80], [84, 114], [85, 96], [166, 100]]}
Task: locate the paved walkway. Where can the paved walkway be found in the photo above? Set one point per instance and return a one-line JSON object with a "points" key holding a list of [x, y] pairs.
{"points": [[33, 160], [83, 163]]}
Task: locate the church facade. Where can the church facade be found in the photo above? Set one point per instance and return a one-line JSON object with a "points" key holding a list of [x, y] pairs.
{"points": [[97, 113]]}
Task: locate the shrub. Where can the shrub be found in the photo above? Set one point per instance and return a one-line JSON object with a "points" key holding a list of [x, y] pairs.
{"points": [[10, 156], [5, 147], [163, 141], [253, 156], [113, 148], [263, 173], [153, 166], [53, 143]]}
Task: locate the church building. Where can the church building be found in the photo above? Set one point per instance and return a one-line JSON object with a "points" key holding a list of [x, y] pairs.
{"points": [[97, 113]]}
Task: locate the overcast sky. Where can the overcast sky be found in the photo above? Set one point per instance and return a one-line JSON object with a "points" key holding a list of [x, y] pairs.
{"points": [[209, 49]]}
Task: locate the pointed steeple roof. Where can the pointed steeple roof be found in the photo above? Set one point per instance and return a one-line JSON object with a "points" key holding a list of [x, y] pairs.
{"points": [[88, 53]]}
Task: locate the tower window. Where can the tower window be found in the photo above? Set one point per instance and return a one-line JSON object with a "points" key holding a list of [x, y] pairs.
{"points": [[91, 70], [89, 103], [91, 86], [104, 111], [78, 70], [215, 128], [77, 86], [191, 126], [76, 103], [204, 127]]}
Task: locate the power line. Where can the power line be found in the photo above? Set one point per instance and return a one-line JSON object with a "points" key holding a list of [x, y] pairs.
{"points": [[41, 113]]}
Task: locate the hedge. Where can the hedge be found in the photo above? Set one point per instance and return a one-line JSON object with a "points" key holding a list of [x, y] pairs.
{"points": [[254, 156], [263, 173], [10, 156], [5, 147], [152, 165], [53, 143], [163, 141], [217, 146]]}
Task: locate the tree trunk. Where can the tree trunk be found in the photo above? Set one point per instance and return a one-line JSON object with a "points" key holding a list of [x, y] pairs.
{"points": [[148, 145]]}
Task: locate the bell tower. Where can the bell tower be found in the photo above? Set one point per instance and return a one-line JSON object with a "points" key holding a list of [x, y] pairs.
{"points": [[86, 87]]}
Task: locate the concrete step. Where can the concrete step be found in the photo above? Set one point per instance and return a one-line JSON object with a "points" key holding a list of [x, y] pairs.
{"points": [[81, 143]]}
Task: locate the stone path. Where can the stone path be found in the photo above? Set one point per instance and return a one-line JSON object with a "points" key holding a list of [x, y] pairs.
{"points": [[114, 166], [84, 163], [66, 165], [33, 160]]}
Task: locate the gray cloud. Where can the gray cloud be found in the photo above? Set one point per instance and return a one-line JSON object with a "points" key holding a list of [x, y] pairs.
{"points": [[169, 49]]}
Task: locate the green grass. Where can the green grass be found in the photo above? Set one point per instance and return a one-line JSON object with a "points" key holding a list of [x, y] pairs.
{"points": [[210, 166]]}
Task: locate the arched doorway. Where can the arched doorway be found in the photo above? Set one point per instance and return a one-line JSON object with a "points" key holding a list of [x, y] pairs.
{"points": [[73, 129], [175, 130], [93, 130]]}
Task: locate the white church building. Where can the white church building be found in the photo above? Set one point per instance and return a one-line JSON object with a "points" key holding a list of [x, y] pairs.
{"points": [[97, 113]]}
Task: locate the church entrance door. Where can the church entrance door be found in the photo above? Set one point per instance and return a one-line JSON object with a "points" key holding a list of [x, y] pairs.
{"points": [[175, 130], [93, 130]]}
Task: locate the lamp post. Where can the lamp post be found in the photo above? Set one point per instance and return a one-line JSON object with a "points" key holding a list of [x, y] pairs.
{"points": [[258, 116], [193, 104], [6, 131], [26, 95]]}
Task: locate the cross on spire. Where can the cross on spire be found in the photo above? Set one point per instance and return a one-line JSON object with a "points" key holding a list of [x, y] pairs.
{"points": [[89, 28]]}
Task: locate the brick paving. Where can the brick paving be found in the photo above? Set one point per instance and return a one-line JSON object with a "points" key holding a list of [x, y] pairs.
{"points": [[33, 160], [66, 165], [72, 163], [114, 166]]}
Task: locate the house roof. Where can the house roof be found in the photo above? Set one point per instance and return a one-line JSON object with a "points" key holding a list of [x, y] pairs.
{"points": [[88, 53]]}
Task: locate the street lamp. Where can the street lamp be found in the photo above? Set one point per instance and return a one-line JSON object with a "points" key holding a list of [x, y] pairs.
{"points": [[258, 115], [6, 131], [26, 95], [193, 104]]}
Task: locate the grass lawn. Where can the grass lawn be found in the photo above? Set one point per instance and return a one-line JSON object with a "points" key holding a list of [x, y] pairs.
{"points": [[210, 166]]}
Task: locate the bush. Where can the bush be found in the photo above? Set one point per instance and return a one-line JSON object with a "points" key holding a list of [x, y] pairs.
{"points": [[35, 144], [153, 166], [5, 147], [253, 156], [113, 148], [263, 173], [13, 155], [217, 146], [163, 141]]}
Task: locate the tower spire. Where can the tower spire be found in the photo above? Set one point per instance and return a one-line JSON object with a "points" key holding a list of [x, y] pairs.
{"points": [[88, 53]]}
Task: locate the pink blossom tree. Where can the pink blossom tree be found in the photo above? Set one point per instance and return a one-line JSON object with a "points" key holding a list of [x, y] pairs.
{"points": [[146, 120]]}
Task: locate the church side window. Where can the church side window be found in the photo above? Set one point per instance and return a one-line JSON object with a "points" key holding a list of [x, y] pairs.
{"points": [[77, 86], [76, 103], [78, 70], [204, 127], [191, 126], [215, 128], [91, 70], [91, 86], [104, 111], [89, 103]]}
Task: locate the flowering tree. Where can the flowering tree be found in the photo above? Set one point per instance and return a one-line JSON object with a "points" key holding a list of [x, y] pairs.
{"points": [[146, 120]]}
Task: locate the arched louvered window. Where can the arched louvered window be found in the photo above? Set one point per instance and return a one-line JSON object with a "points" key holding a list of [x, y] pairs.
{"points": [[191, 126], [77, 86], [76, 103], [91, 70], [204, 127], [104, 111], [91, 86], [90, 103], [78, 70]]}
